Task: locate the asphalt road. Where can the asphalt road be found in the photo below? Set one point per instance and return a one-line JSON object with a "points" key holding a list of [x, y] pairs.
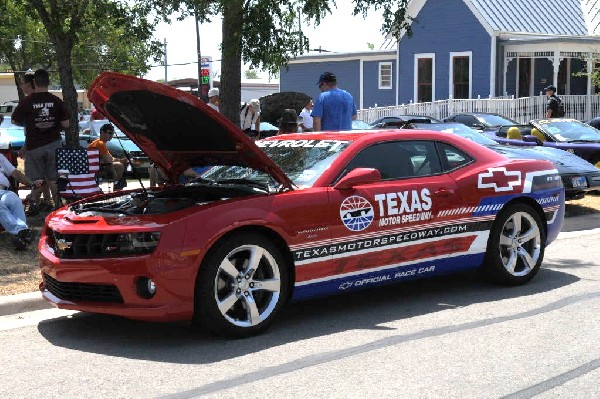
{"points": [[444, 338]]}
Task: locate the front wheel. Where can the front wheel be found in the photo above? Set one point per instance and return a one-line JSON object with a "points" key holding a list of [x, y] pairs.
{"points": [[515, 247], [241, 286]]}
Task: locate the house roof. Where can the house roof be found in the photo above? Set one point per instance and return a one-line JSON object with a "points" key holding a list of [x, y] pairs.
{"points": [[548, 17]]}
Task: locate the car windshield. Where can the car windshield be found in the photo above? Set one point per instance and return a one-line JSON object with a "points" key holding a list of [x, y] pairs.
{"points": [[569, 130], [459, 129], [495, 120], [360, 125], [303, 161]]}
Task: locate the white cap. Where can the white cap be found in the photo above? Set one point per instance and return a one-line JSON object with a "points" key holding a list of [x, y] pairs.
{"points": [[255, 103], [213, 92]]}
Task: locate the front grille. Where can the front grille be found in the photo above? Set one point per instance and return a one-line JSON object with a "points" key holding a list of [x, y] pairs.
{"points": [[81, 246], [82, 292], [73, 246]]}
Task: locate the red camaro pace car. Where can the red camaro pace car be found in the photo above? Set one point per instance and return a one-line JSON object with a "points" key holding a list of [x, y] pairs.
{"points": [[287, 218]]}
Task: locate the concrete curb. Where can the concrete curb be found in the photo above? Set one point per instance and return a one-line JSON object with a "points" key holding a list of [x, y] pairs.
{"points": [[21, 303], [573, 226]]}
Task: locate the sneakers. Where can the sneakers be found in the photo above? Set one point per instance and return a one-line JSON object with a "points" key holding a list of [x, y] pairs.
{"points": [[22, 238], [120, 185]]}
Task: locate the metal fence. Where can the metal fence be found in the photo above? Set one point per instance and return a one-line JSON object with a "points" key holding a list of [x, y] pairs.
{"points": [[522, 110]]}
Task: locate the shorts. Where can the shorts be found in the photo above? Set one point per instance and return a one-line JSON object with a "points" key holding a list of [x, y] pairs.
{"points": [[40, 163], [107, 171]]}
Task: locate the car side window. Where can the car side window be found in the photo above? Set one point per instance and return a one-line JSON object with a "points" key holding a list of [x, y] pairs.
{"points": [[465, 119], [452, 158], [425, 158], [398, 159]]}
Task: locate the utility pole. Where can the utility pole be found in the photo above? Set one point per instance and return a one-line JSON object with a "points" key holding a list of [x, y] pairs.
{"points": [[165, 49], [300, 28], [199, 69]]}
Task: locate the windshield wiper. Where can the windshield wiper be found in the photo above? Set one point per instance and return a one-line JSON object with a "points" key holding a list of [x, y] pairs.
{"points": [[583, 141], [244, 181]]}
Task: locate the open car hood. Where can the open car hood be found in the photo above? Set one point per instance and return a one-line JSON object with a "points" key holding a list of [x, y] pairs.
{"points": [[175, 129]]}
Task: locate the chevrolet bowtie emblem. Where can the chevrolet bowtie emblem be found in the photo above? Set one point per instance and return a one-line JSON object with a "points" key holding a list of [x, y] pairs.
{"points": [[63, 244]]}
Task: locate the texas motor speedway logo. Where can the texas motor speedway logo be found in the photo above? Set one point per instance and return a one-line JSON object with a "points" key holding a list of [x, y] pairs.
{"points": [[356, 213]]}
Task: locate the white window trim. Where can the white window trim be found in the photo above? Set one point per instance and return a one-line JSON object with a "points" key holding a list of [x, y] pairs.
{"points": [[391, 86], [451, 73], [416, 75]]}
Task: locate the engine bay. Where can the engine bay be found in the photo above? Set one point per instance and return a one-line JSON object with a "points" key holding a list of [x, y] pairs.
{"points": [[171, 199]]}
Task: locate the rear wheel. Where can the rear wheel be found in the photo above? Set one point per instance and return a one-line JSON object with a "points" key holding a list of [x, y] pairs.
{"points": [[515, 247], [241, 286]]}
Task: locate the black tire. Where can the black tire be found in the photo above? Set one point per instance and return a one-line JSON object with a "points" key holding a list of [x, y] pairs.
{"points": [[249, 299], [514, 258]]}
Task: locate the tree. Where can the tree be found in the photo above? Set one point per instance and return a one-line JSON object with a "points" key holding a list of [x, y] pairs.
{"points": [[23, 41], [596, 73], [68, 23], [265, 33], [251, 74]]}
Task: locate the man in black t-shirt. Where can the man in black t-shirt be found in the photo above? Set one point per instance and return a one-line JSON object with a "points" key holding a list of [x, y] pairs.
{"points": [[44, 116], [553, 101]]}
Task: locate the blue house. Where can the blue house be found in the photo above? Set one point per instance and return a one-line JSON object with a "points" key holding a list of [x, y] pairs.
{"points": [[369, 76], [470, 49]]}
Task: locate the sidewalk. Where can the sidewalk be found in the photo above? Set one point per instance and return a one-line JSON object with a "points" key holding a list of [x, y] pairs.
{"points": [[14, 304]]}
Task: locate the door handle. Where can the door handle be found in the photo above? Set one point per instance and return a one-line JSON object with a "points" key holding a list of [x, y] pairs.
{"points": [[444, 192]]}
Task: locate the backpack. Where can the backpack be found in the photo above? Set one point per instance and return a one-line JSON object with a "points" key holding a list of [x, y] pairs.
{"points": [[561, 108]]}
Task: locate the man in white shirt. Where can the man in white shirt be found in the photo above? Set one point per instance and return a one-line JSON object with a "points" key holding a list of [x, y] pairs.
{"points": [[213, 98], [250, 118], [12, 212], [306, 119]]}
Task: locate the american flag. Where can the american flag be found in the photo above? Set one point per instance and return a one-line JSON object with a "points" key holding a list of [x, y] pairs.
{"points": [[80, 166]]}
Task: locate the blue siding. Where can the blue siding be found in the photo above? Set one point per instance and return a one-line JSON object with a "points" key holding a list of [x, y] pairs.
{"points": [[442, 27], [303, 77], [371, 93]]}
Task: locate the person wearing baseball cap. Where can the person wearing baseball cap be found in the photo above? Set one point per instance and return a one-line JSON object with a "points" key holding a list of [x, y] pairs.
{"points": [[250, 118], [213, 98], [553, 109], [335, 108], [288, 123], [110, 168]]}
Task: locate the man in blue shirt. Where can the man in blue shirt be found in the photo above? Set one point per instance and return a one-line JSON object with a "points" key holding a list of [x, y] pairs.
{"points": [[335, 108]]}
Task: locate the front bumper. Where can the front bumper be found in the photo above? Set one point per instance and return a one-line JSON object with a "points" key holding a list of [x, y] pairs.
{"points": [[110, 285]]}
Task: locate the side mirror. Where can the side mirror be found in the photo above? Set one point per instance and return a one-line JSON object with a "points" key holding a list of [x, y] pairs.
{"points": [[358, 177], [532, 139]]}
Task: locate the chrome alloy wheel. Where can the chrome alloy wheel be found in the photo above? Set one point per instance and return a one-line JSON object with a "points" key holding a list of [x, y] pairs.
{"points": [[247, 285], [520, 244]]}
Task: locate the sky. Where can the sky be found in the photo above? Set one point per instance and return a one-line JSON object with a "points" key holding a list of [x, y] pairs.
{"points": [[338, 32]]}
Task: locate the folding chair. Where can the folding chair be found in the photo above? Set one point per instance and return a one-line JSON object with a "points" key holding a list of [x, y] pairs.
{"points": [[77, 168]]}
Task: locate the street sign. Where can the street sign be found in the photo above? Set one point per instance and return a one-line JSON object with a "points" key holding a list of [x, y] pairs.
{"points": [[205, 77]]}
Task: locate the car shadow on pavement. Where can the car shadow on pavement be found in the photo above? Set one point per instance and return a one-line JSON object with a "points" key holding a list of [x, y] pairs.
{"points": [[366, 309]]}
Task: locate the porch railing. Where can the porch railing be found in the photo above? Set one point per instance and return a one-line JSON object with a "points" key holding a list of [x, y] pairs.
{"points": [[522, 110]]}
